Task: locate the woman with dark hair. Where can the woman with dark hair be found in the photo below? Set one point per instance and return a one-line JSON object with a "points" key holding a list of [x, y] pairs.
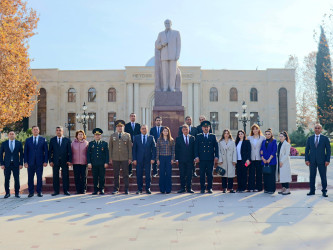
{"points": [[268, 157], [255, 170], [79, 161], [227, 160], [165, 157], [283, 153], [243, 149]]}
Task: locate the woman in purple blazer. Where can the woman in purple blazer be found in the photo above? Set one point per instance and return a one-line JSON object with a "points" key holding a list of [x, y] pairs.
{"points": [[268, 156]]}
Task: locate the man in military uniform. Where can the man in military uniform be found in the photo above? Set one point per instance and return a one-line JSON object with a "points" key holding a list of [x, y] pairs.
{"points": [[120, 154], [207, 153], [98, 160]]}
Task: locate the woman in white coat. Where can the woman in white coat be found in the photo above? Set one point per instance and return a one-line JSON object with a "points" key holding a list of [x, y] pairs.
{"points": [[227, 160], [283, 154]]}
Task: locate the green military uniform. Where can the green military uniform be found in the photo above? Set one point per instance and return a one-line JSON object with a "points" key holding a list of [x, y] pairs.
{"points": [[97, 156]]}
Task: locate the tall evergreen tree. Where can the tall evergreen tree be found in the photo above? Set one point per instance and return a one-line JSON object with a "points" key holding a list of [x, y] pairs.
{"points": [[324, 83]]}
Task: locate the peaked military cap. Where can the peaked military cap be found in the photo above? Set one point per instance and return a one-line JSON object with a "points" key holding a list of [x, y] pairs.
{"points": [[205, 124], [97, 131], [120, 123]]}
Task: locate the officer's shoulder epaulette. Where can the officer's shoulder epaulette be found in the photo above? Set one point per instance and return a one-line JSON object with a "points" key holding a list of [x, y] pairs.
{"points": [[199, 134]]}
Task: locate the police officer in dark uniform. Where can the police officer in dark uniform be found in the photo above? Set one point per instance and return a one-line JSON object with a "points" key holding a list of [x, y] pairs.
{"points": [[207, 153], [98, 160]]}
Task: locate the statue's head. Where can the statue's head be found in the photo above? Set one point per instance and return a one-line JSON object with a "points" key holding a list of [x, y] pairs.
{"points": [[167, 24]]}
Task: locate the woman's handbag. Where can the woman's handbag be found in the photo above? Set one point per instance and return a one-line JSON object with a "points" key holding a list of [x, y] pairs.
{"points": [[267, 169], [220, 170]]}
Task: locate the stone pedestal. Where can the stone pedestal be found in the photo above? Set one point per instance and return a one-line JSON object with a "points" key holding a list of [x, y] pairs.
{"points": [[168, 105]]}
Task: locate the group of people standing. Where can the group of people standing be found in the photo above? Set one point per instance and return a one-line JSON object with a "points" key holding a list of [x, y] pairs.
{"points": [[254, 159]]}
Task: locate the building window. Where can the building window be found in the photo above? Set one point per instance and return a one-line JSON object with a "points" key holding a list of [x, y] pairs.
{"points": [[214, 116], [111, 116], [71, 95], [283, 109], [72, 119], [254, 119], [233, 95], [233, 121], [112, 95], [92, 95], [213, 95], [92, 122], [253, 95], [41, 111]]}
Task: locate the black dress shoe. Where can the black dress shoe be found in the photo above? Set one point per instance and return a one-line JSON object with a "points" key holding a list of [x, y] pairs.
{"points": [[232, 191], [148, 191], [202, 191], [54, 194], [195, 175], [224, 190], [325, 194], [181, 191], [190, 191], [17, 196], [101, 192], [311, 193], [130, 175], [94, 193], [139, 192], [6, 196], [67, 193], [30, 195], [168, 192], [162, 192], [210, 191], [115, 192], [155, 175], [40, 195], [126, 191]]}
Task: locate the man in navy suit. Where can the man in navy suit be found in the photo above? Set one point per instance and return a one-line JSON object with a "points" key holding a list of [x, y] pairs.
{"points": [[11, 160], [60, 156], [184, 150], [156, 132], [144, 154], [318, 155], [133, 129], [35, 158], [207, 153]]}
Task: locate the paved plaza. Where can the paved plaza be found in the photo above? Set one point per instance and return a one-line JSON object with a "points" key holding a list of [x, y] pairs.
{"points": [[187, 221]]}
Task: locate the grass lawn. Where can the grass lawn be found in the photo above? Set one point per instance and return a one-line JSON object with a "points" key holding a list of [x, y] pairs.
{"points": [[301, 150]]}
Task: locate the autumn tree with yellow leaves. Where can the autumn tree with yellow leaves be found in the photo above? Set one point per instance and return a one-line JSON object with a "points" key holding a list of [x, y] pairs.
{"points": [[18, 88]]}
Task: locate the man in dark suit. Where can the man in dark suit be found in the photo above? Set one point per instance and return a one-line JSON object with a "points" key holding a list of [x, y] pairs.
{"points": [[199, 127], [193, 131], [317, 155], [144, 154], [207, 153], [11, 160], [35, 158], [60, 156], [156, 132], [133, 129], [184, 155]]}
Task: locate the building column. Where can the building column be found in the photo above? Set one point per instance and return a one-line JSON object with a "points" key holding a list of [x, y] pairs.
{"points": [[136, 100], [129, 98], [196, 104], [190, 100]]}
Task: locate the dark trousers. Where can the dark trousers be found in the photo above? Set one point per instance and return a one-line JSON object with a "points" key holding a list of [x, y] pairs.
{"points": [[255, 176], [186, 171], [80, 176], [206, 169], [285, 185], [123, 165], [16, 173], [322, 172], [98, 172], [165, 182], [64, 176], [32, 170], [270, 180], [230, 182], [154, 168], [241, 171], [130, 169], [146, 167]]}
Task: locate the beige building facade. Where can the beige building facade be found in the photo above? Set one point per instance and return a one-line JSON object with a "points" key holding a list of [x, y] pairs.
{"points": [[217, 94]]}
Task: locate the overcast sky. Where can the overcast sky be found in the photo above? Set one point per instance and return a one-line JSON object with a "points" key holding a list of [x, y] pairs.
{"points": [[112, 34]]}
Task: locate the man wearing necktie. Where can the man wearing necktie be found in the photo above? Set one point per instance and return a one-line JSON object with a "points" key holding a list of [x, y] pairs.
{"points": [[207, 153], [133, 128], [318, 155], [156, 132], [184, 155], [120, 155], [144, 154], [60, 156], [11, 160], [35, 158]]}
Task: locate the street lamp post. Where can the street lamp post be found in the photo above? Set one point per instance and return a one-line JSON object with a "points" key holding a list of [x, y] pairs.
{"points": [[84, 117], [69, 125], [214, 123], [244, 117]]}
